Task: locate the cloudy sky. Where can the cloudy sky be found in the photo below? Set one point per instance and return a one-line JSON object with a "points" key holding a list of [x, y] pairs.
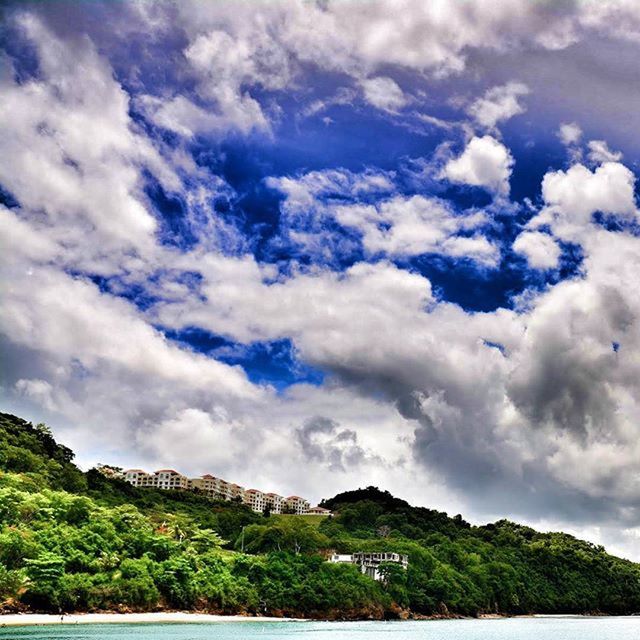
{"points": [[315, 246]]}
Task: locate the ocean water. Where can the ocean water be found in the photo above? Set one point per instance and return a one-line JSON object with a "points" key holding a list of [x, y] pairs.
{"points": [[568, 628]]}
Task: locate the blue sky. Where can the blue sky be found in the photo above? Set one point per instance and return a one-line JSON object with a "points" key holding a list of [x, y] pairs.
{"points": [[414, 225]]}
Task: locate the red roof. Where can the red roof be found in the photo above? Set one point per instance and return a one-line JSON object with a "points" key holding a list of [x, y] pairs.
{"points": [[295, 498], [208, 475], [135, 471], [167, 471]]}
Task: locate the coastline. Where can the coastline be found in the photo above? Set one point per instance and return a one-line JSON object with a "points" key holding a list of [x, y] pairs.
{"points": [[158, 617], [176, 617]]}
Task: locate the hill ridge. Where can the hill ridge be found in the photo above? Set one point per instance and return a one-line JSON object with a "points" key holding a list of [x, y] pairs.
{"points": [[78, 541]]}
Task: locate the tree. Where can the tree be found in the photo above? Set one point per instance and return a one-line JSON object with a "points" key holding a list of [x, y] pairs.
{"points": [[394, 579], [45, 573]]}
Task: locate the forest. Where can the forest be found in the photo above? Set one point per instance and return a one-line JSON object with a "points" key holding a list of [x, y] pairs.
{"points": [[78, 541]]}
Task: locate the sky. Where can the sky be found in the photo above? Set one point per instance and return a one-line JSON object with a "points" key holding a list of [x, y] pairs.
{"points": [[315, 246]]}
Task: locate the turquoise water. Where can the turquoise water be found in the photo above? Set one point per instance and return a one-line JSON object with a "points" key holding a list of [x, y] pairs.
{"points": [[510, 629]]}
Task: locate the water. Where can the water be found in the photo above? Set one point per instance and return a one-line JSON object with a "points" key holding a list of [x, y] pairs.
{"points": [[505, 629]]}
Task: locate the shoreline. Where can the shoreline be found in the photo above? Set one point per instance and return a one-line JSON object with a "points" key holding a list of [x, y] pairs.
{"points": [[176, 617], [156, 617]]}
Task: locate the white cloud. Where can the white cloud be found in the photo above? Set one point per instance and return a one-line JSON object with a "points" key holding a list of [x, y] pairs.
{"points": [[227, 64], [599, 152], [475, 247], [540, 249], [306, 192], [498, 104], [573, 196], [394, 226], [383, 93], [40, 391], [416, 225], [88, 194], [182, 116], [617, 18], [570, 133], [521, 414], [234, 48], [485, 162], [342, 96], [101, 329], [415, 379]]}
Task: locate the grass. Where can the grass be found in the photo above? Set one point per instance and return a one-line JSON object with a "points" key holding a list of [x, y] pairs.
{"points": [[309, 519]]}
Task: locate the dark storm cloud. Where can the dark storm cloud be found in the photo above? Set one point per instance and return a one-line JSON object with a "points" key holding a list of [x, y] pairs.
{"points": [[322, 440]]}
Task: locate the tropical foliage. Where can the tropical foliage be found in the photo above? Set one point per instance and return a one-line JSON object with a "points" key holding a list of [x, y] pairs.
{"points": [[80, 541]]}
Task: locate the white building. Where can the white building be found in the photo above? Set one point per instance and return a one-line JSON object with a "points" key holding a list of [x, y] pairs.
{"points": [[161, 479], [256, 500], [138, 477], [369, 563], [275, 502], [318, 511], [220, 489], [341, 558], [297, 505], [236, 492], [209, 485], [170, 479]]}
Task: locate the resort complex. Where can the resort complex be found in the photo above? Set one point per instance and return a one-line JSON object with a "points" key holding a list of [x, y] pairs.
{"points": [[216, 488]]}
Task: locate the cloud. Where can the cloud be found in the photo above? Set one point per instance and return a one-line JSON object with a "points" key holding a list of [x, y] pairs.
{"points": [[599, 152], [573, 196], [569, 133], [417, 225], [233, 59], [485, 162], [236, 51], [393, 226], [540, 250], [383, 93], [566, 384], [307, 192], [527, 411], [498, 104], [322, 440], [85, 200], [82, 189], [229, 58], [517, 415], [343, 96], [184, 117], [40, 391]]}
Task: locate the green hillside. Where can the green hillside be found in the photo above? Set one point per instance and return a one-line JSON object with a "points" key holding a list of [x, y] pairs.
{"points": [[77, 541]]}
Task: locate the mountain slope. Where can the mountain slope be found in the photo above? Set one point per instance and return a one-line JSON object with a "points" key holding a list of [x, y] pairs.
{"points": [[79, 541]]}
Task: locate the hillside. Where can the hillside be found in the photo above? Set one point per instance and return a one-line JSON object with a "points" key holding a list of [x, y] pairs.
{"points": [[79, 541]]}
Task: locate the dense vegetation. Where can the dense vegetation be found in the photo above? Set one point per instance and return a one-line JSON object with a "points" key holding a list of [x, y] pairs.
{"points": [[79, 541]]}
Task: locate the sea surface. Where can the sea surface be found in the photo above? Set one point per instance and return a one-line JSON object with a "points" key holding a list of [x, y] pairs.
{"points": [[565, 628]]}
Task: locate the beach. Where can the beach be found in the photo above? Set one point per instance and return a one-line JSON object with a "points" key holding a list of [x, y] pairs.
{"points": [[159, 617], [169, 626]]}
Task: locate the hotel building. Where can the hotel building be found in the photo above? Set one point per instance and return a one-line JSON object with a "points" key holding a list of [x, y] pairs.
{"points": [[161, 479], [275, 502], [219, 489], [297, 505], [209, 485], [256, 500]]}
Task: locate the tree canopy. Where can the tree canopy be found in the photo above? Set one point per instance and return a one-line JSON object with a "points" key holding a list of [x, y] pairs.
{"points": [[77, 541]]}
